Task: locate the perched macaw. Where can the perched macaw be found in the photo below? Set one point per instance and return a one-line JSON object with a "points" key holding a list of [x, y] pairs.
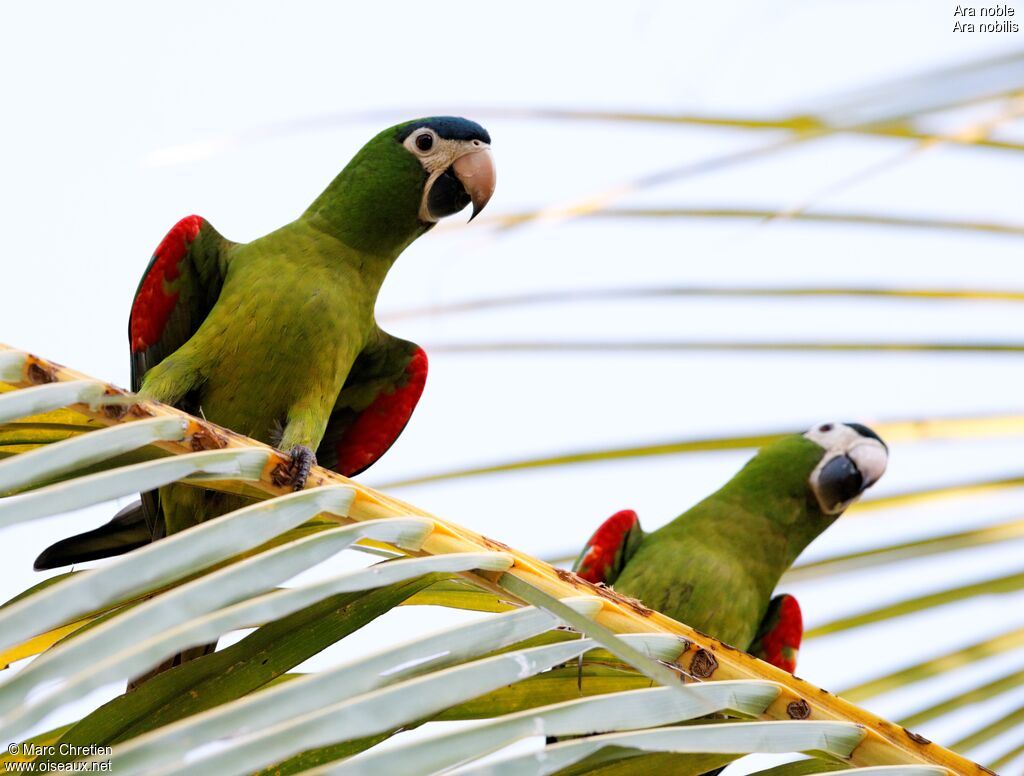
{"points": [[277, 339], [716, 566]]}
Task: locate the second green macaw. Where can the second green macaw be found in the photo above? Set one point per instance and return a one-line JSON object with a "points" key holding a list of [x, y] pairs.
{"points": [[716, 566], [277, 339]]}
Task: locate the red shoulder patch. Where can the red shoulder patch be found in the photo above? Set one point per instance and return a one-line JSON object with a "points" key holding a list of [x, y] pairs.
{"points": [[603, 552], [780, 643], [379, 425], [156, 297]]}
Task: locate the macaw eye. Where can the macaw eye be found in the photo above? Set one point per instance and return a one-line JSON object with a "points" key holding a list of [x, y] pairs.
{"points": [[425, 142]]}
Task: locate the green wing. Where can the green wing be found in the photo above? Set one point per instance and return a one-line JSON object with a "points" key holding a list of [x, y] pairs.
{"points": [[610, 548], [176, 293], [375, 404], [779, 635]]}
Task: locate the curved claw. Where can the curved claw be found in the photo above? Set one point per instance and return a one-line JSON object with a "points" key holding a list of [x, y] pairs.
{"points": [[303, 459], [295, 473]]}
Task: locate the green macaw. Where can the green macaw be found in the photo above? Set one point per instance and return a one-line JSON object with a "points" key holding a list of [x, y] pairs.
{"points": [[276, 338], [716, 566]]}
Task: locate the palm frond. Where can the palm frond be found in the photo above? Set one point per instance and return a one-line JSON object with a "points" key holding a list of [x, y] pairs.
{"points": [[508, 220], [936, 666], [960, 700], [569, 296], [896, 430], [996, 586], [724, 346], [903, 551], [401, 687]]}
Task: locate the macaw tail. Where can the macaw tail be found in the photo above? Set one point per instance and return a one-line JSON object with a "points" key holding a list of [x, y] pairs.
{"points": [[172, 662], [126, 531]]}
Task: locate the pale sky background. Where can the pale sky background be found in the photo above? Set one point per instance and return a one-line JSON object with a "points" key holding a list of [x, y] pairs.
{"points": [[120, 118]]}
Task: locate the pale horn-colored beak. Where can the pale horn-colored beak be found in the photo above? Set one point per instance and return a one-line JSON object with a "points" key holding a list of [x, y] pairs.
{"points": [[871, 458], [478, 176]]}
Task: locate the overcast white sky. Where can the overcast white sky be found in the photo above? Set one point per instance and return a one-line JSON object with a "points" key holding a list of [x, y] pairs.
{"points": [[122, 117]]}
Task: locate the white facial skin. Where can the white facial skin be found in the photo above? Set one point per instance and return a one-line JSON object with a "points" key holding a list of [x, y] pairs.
{"points": [[470, 158], [868, 455]]}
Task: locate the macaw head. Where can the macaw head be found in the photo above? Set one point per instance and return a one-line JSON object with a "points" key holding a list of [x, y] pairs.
{"points": [[458, 168], [404, 180], [803, 482], [854, 459]]}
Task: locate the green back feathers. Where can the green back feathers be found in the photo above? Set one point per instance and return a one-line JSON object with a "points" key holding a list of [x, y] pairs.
{"points": [[715, 566]]}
